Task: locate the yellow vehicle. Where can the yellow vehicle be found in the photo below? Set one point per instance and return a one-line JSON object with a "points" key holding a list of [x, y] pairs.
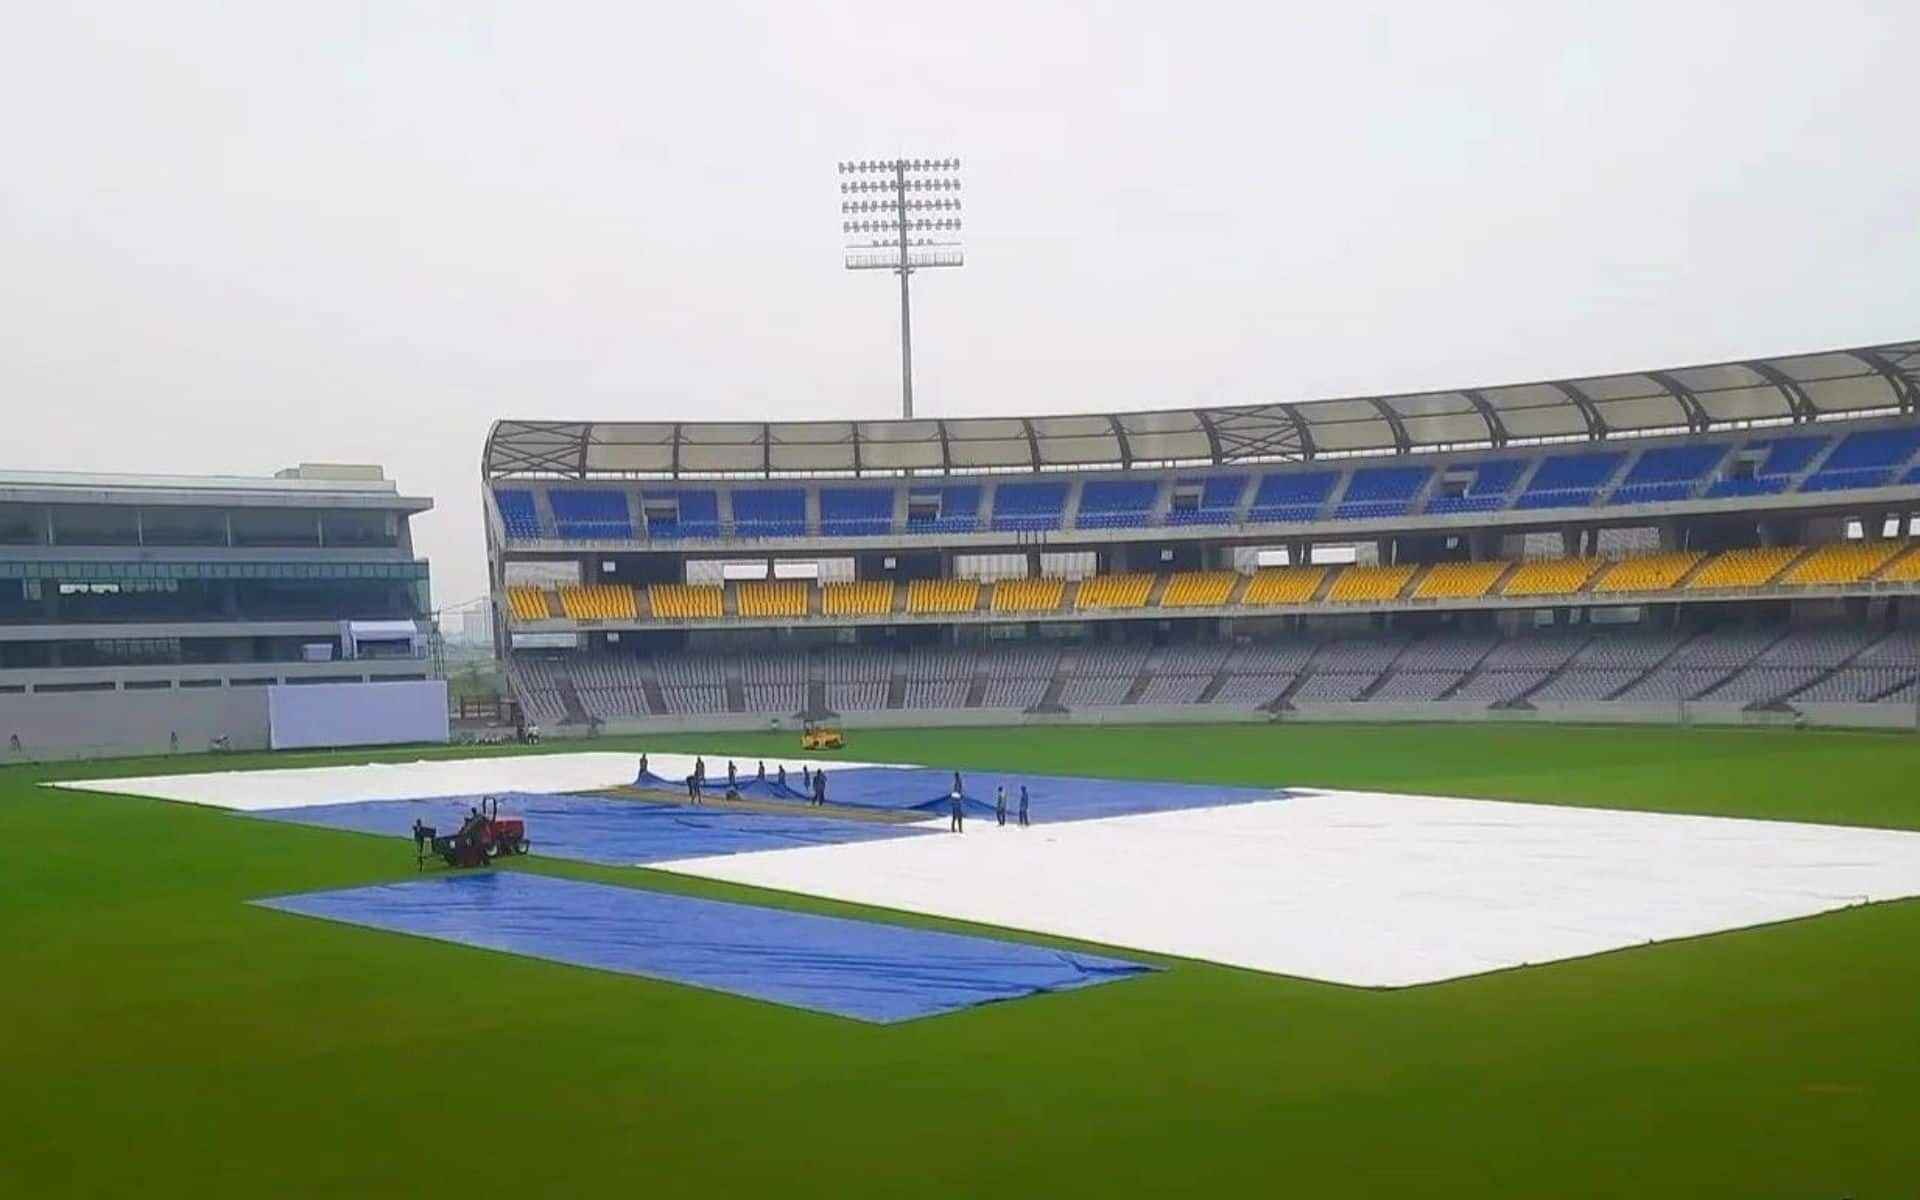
{"points": [[821, 737]]}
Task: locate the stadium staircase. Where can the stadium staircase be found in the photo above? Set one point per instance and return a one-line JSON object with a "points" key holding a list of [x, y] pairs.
{"points": [[650, 685], [1681, 583], [1070, 595], [976, 689], [730, 605], [1214, 685], [1138, 686], [1050, 701], [897, 684], [543, 511], [576, 711], [554, 611], [1158, 590], [736, 687]]}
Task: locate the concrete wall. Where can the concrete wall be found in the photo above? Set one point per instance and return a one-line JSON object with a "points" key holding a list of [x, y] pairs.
{"points": [[56, 725]]}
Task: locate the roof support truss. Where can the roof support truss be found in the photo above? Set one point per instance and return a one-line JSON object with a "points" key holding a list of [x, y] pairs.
{"points": [[1596, 428], [1496, 428], [1798, 403], [1697, 419]]}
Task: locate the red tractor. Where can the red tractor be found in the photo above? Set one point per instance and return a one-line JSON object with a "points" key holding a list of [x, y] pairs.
{"points": [[484, 836]]}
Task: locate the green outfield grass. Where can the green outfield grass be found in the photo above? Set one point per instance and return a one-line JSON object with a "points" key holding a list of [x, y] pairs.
{"points": [[158, 1037]]}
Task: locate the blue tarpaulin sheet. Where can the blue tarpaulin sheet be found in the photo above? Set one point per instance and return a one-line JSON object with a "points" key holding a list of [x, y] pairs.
{"points": [[859, 969], [600, 830], [1052, 797]]}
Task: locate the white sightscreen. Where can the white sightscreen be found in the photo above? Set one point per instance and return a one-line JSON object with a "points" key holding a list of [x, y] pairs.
{"points": [[356, 714]]}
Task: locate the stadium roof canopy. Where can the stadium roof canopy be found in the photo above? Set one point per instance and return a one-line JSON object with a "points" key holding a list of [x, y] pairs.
{"points": [[1859, 382]]}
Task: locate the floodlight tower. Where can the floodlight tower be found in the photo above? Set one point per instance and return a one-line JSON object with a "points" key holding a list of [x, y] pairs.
{"points": [[901, 215]]}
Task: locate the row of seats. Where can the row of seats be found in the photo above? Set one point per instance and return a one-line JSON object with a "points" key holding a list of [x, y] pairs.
{"points": [[1586, 664], [1843, 563], [1571, 479]]}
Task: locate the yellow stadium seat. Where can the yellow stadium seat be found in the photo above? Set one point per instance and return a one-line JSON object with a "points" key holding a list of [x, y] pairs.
{"points": [[599, 602], [1198, 589], [1363, 585], [687, 601], [1550, 576], [1283, 585], [942, 595], [772, 597], [1114, 591], [1842, 562], [1905, 569], [1751, 567], [527, 603], [867, 598], [1460, 580], [1647, 572], [1028, 595]]}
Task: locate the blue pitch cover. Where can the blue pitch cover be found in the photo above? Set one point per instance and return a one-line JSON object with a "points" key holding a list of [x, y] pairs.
{"points": [[859, 969]]}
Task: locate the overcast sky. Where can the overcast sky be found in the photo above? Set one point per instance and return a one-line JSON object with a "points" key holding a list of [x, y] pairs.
{"points": [[238, 236]]}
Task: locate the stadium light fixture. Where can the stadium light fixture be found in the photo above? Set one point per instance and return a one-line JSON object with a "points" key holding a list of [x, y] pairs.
{"points": [[891, 223]]}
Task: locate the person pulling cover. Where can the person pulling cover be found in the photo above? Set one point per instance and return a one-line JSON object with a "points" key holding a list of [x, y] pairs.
{"points": [[1023, 806], [1000, 805], [956, 819], [820, 788]]}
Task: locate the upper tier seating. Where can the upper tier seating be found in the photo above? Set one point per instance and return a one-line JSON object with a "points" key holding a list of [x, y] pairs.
{"points": [[772, 598], [1459, 580], [1870, 458], [599, 602], [1116, 503], [1750, 567], [865, 598], [1486, 492], [1292, 497], [527, 603], [1842, 562], [1550, 577], [518, 514], [688, 514], [1029, 506], [1668, 473], [1647, 572], [1382, 491], [855, 511], [1114, 591], [590, 513], [687, 601], [769, 512], [1283, 585], [1028, 595], [1785, 457], [1219, 500], [959, 510], [943, 595], [1198, 589], [1570, 480], [1360, 585]]}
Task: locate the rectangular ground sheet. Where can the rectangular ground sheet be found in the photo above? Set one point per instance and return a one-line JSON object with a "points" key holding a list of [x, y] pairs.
{"points": [[859, 969], [601, 830], [296, 787], [1361, 888]]}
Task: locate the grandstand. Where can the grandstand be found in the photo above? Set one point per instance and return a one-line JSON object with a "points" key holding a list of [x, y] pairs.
{"points": [[159, 613], [1719, 541]]}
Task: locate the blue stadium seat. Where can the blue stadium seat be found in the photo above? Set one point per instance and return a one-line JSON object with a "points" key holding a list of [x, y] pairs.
{"points": [[1486, 492], [853, 512], [1785, 457], [769, 512], [959, 511], [1382, 491], [1292, 496], [1116, 503], [1870, 458], [1570, 480], [1219, 500], [590, 513], [1029, 506], [517, 513], [695, 514], [1668, 473]]}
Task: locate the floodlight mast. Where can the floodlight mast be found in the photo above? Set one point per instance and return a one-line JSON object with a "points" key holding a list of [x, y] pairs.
{"points": [[886, 230]]}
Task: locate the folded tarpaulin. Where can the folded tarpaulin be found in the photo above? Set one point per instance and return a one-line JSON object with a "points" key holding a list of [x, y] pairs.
{"points": [[860, 969]]}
